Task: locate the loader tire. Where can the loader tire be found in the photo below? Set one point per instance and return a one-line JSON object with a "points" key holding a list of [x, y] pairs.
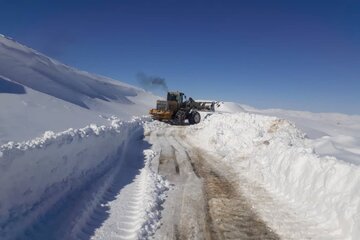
{"points": [[191, 120], [180, 117], [194, 118]]}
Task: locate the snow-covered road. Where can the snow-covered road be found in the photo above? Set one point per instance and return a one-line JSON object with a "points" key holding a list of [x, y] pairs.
{"points": [[210, 199], [233, 176], [204, 201]]}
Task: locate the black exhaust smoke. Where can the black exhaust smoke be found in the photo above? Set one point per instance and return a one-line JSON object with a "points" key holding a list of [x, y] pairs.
{"points": [[152, 82]]}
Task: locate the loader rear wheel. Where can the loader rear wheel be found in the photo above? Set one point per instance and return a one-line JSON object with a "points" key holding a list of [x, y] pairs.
{"points": [[194, 118]]}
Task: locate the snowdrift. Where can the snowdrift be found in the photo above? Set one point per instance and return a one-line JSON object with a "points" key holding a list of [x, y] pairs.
{"points": [[332, 134], [276, 154], [36, 174]]}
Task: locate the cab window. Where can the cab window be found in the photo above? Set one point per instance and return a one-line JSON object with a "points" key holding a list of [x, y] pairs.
{"points": [[171, 97], [179, 98]]}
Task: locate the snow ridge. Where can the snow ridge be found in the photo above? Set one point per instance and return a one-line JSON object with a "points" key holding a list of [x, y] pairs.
{"points": [[49, 76], [275, 154], [135, 212], [52, 96], [40, 172], [159, 187]]}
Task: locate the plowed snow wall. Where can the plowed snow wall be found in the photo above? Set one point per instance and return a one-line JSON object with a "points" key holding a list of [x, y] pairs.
{"points": [[275, 153], [36, 174]]}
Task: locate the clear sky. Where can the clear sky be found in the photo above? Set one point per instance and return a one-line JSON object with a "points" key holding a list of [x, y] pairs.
{"points": [[302, 55]]}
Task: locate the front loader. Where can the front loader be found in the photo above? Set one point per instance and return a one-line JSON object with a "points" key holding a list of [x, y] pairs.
{"points": [[177, 109]]}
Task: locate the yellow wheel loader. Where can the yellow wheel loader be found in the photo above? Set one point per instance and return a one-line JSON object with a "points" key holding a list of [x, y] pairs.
{"points": [[177, 109]]}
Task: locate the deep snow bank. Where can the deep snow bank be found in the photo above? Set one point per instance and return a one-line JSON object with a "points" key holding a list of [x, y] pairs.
{"points": [[36, 174], [275, 153], [333, 134]]}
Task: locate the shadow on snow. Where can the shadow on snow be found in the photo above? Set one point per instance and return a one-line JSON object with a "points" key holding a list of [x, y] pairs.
{"points": [[85, 209], [7, 86]]}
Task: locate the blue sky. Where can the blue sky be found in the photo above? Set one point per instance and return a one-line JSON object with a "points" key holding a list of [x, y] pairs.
{"points": [[302, 55]]}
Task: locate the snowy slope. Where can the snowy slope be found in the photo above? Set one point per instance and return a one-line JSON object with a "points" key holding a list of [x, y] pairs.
{"points": [[330, 134], [38, 94]]}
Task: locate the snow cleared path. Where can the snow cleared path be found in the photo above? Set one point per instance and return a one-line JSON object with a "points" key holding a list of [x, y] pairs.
{"points": [[203, 203], [233, 176], [212, 199]]}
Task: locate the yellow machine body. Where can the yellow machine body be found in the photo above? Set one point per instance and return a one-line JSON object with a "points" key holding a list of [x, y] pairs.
{"points": [[164, 111]]}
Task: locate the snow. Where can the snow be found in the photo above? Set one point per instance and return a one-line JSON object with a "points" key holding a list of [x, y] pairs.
{"points": [[84, 143], [274, 153], [331, 134], [63, 160], [38, 94], [68, 137], [135, 212], [61, 164], [229, 107], [36, 71]]}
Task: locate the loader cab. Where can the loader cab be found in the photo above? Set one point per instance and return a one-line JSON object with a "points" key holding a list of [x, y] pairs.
{"points": [[179, 97]]}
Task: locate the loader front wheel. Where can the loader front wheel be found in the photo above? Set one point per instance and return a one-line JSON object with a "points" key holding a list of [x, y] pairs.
{"points": [[195, 118]]}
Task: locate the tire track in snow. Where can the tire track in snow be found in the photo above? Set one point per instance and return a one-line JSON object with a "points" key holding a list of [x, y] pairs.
{"points": [[229, 213], [136, 216], [284, 218], [232, 217], [183, 215], [203, 203], [168, 163], [236, 206]]}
